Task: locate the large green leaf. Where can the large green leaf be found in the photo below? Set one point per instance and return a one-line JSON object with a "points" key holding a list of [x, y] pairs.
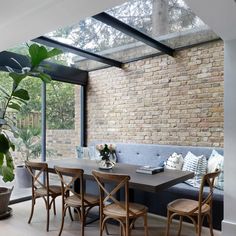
{"points": [[17, 78], [54, 52], [9, 160], [22, 94], [38, 54], [7, 173], [1, 159], [45, 77], [4, 144], [14, 106]]}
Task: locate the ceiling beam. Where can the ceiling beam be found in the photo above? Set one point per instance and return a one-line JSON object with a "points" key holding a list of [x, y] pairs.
{"points": [[69, 48], [132, 32], [56, 71]]}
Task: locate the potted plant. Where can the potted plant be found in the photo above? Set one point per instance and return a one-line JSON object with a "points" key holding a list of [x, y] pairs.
{"points": [[28, 144], [14, 99]]}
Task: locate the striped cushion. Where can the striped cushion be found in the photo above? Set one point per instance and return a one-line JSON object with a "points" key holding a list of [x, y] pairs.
{"points": [[196, 164]]}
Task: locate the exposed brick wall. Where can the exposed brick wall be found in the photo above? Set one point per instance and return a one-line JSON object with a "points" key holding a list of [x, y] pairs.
{"points": [[161, 100], [62, 143]]}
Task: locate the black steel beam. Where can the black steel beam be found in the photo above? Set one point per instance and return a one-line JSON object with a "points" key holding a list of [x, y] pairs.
{"points": [[69, 48], [132, 32], [56, 71]]}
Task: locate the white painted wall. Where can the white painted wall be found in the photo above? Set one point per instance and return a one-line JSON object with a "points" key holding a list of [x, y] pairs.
{"points": [[229, 222]]}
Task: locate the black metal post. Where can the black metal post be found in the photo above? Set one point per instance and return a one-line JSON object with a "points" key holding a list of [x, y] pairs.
{"points": [[43, 122], [83, 139]]}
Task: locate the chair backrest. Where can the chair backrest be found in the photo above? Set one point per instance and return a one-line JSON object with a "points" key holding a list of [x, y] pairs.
{"points": [[108, 194], [39, 173], [76, 176], [207, 181]]}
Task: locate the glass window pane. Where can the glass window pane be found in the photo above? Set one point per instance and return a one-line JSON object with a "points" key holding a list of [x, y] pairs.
{"points": [[97, 37], [171, 22], [62, 136]]}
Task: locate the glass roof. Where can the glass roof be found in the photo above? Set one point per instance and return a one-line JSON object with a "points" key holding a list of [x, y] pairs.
{"points": [[170, 22], [94, 36]]}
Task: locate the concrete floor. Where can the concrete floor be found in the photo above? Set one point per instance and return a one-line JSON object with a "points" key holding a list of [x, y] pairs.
{"points": [[17, 224]]}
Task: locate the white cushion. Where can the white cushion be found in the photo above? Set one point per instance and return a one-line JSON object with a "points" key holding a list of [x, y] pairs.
{"points": [[196, 164], [175, 161], [216, 161]]}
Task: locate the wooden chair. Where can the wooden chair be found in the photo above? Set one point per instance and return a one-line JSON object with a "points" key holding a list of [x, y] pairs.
{"points": [[81, 201], [41, 188], [196, 211], [110, 208]]}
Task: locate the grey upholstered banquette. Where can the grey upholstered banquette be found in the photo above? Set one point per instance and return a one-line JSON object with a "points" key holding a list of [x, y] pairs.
{"points": [[156, 155]]}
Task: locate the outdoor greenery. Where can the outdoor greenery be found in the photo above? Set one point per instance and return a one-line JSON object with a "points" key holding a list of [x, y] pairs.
{"points": [[14, 96], [153, 17], [28, 143], [60, 101]]}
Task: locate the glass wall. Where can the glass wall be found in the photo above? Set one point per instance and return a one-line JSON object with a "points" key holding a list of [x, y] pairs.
{"points": [[62, 129]]}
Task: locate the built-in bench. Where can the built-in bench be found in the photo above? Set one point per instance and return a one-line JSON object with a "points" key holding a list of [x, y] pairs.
{"points": [[155, 155]]}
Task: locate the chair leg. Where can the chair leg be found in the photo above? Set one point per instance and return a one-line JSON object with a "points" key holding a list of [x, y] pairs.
{"points": [[70, 213], [48, 213], [209, 218], [199, 231], [145, 225], [168, 223], [62, 220], [32, 210], [82, 219], [54, 207], [106, 229], [180, 225]]}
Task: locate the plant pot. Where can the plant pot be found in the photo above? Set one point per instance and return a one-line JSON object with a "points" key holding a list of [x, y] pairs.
{"points": [[5, 194], [23, 177]]}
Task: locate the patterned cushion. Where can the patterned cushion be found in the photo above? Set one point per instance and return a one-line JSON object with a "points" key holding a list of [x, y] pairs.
{"points": [[216, 161], [196, 164], [175, 161], [219, 181]]}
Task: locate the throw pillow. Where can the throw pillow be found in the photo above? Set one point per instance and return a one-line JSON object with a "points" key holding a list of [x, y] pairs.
{"points": [[216, 161], [175, 161], [196, 164], [219, 181]]}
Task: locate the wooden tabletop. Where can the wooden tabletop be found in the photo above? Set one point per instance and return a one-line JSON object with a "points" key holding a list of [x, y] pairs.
{"points": [[146, 182]]}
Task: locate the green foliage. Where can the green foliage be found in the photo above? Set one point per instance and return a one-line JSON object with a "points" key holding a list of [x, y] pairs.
{"points": [[15, 97], [60, 105], [28, 143]]}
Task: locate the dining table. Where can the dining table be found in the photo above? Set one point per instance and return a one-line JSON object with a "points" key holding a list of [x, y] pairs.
{"points": [[146, 182]]}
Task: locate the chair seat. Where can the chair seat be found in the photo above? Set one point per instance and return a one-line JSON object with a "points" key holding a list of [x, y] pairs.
{"points": [[75, 201], [185, 206], [115, 210], [53, 190]]}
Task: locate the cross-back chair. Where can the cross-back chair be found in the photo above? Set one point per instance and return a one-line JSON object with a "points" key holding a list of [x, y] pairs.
{"points": [[110, 208], [81, 202], [41, 188], [196, 211]]}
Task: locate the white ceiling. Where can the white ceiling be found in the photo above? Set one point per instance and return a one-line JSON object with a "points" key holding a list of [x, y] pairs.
{"points": [[219, 15], [26, 19]]}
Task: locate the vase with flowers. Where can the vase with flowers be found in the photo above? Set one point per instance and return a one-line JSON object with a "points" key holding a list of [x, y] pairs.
{"points": [[107, 154]]}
